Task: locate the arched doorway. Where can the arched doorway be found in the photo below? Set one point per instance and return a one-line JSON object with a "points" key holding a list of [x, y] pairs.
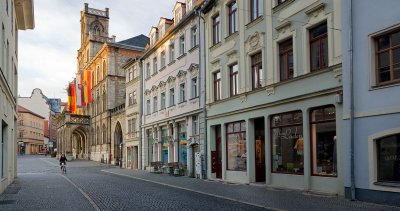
{"points": [[118, 144], [80, 143]]}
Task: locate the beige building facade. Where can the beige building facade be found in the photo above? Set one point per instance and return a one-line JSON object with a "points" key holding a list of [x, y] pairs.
{"points": [[14, 15], [31, 131]]}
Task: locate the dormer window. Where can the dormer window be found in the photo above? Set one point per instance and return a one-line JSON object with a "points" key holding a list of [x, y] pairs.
{"points": [[189, 6], [178, 15], [161, 30]]}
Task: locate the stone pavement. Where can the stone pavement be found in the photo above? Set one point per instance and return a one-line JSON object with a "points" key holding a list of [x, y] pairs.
{"points": [[256, 195]]}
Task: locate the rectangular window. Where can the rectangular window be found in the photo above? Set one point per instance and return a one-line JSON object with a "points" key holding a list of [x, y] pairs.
{"points": [[194, 87], [387, 51], [182, 97], [319, 47], [130, 77], [162, 101], [171, 97], [234, 79], [135, 72], [286, 60], [287, 144], [232, 17], [155, 104], [216, 32], [217, 86], [388, 155], [280, 1], [162, 59], [129, 126], [256, 71], [134, 97], [323, 141], [193, 35], [236, 146], [182, 135], [181, 45], [148, 107], [130, 98], [171, 52], [148, 70], [194, 125], [155, 68], [133, 126], [255, 9]]}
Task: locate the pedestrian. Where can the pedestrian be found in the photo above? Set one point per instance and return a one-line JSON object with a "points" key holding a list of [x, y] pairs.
{"points": [[63, 159]]}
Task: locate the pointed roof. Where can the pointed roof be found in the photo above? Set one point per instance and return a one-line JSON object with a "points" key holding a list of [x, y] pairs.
{"points": [[138, 41]]}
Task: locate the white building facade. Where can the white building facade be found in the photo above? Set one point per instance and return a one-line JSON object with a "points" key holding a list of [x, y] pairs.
{"points": [[14, 15], [273, 84], [173, 118]]}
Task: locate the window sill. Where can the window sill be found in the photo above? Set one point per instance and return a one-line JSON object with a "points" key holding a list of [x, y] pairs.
{"points": [[146, 79], [282, 5], [254, 22], [182, 102], [231, 36], [154, 74], [163, 68], [171, 106], [216, 45], [171, 63], [385, 85], [194, 48], [194, 98], [181, 56], [388, 184]]}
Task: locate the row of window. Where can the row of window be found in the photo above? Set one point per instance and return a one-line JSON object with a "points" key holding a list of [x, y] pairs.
{"points": [[163, 96], [287, 143], [96, 78], [133, 73], [21, 134], [171, 53]]}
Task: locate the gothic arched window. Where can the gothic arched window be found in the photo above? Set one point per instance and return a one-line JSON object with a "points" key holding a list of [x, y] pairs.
{"points": [[104, 69]]}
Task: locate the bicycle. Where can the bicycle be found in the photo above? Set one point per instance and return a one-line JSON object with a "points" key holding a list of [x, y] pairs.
{"points": [[63, 168]]}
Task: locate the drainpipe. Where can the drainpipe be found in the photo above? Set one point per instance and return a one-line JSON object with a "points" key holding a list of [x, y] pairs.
{"points": [[202, 66], [139, 62], [352, 187]]}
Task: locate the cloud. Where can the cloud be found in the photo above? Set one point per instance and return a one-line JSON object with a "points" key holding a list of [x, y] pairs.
{"points": [[47, 54]]}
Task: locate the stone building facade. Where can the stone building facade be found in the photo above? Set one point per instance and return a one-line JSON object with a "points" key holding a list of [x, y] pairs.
{"points": [[14, 15], [173, 117], [273, 74], [104, 58]]}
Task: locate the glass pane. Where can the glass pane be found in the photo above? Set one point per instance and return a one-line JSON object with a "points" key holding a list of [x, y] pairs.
{"points": [[237, 127], [317, 115], [290, 65], [283, 67], [298, 117], [318, 31], [243, 126], [230, 128], [396, 56], [236, 155], [384, 74], [324, 148], [383, 59], [395, 39], [396, 71], [388, 149], [324, 46], [315, 56], [287, 119], [330, 113], [383, 42], [276, 120]]}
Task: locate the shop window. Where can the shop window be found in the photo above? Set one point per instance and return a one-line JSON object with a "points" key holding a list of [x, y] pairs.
{"points": [[388, 155], [388, 58], [287, 143], [236, 146], [182, 142], [165, 144], [323, 141]]}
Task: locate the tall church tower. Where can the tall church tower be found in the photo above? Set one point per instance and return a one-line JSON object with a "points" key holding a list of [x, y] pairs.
{"points": [[94, 33]]}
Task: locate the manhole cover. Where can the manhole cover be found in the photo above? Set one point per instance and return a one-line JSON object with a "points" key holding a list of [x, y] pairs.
{"points": [[8, 202]]}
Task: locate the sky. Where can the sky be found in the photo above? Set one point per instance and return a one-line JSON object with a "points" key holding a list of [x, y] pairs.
{"points": [[47, 54]]}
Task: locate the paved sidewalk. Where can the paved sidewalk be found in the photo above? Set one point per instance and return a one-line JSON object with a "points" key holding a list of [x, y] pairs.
{"points": [[261, 196]]}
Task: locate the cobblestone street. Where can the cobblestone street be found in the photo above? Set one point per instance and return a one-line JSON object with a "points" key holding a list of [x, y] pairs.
{"points": [[93, 186]]}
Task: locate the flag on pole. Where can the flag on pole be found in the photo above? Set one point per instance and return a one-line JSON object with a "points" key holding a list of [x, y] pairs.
{"points": [[82, 82], [78, 89], [69, 97], [73, 97], [89, 86]]}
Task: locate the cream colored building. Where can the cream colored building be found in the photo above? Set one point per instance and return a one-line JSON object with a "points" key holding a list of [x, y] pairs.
{"points": [[173, 118], [273, 72], [14, 15], [30, 137], [132, 114]]}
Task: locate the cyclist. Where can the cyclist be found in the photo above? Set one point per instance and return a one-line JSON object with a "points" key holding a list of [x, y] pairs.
{"points": [[63, 159]]}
